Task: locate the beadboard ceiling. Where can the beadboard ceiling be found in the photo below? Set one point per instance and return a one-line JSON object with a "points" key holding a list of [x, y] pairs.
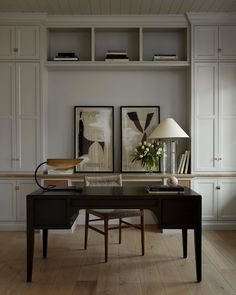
{"points": [[117, 7]]}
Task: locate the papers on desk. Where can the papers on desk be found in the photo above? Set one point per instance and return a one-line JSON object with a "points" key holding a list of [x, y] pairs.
{"points": [[164, 189]]}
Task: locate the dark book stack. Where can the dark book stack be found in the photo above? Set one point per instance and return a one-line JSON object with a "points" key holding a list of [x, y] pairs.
{"points": [[164, 189], [66, 56], [158, 57], [116, 55]]}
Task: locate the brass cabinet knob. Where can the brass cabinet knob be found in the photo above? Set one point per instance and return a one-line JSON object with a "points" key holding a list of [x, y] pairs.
{"points": [[15, 49]]}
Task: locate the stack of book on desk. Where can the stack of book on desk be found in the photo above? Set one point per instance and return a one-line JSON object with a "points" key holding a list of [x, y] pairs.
{"points": [[66, 56], [116, 55], [159, 57], [164, 189], [184, 164]]}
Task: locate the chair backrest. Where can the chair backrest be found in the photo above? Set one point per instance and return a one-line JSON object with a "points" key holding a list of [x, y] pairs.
{"points": [[108, 180]]}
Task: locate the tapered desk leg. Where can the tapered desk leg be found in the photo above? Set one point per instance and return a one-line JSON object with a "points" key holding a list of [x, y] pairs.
{"points": [[45, 242], [198, 252], [30, 240], [185, 242]]}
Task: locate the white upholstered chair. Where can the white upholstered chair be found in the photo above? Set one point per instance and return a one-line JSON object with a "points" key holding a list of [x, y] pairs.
{"points": [[108, 214]]}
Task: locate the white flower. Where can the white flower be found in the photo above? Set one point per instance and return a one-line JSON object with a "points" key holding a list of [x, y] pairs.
{"points": [[141, 156], [142, 147], [147, 149], [152, 146], [149, 144], [144, 142]]}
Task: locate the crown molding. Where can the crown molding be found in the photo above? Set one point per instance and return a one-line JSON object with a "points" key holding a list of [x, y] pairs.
{"points": [[116, 21], [20, 18], [211, 18]]}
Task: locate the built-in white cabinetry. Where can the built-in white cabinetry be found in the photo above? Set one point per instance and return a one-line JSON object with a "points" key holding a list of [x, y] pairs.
{"points": [[218, 198], [13, 202], [19, 116], [19, 42], [214, 42], [214, 117]]}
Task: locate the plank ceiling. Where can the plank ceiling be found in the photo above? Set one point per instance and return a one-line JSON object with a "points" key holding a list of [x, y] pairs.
{"points": [[117, 7]]}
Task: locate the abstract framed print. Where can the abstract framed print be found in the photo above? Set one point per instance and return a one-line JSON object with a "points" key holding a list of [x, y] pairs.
{"points": [[94, 138], [137, 123]]}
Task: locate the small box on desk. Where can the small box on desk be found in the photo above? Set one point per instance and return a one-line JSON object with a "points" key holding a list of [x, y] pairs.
{"points": [[164, 189]]}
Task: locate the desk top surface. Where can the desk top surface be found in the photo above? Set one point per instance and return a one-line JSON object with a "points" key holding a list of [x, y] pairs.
{"points": [[112, 192]]}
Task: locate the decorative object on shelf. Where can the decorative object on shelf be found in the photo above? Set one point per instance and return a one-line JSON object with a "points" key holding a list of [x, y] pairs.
{"points": [[57, 163], [168, 129], [172, 181], [66, 56], [137, 123], [116, 55], [148, 154], [94, 138]]}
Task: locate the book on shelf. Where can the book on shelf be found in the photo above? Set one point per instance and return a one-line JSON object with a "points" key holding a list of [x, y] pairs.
{"points": [[180, 163], [184, 163], [117, 59], [59, 171], [158, 57], [187, 163], [164, 189], [116, 52], [67, 56]]}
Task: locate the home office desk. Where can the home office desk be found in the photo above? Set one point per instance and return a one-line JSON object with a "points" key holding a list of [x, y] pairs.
{"points": [[59, 209]]}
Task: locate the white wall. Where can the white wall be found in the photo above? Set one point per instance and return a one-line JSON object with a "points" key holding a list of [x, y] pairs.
{"points": [[166, 88]]}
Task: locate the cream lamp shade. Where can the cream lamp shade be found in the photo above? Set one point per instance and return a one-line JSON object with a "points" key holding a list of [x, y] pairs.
{"points": [[168, 128]]}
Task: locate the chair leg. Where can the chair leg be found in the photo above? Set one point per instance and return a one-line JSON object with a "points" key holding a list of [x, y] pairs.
{"points": [[120, 230], [86, 229], [142, 231], [106, 237]]}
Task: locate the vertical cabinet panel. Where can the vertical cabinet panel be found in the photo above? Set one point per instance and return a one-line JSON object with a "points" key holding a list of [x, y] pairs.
{"points": [[7, 200], [205, 114], [207, 187], [27, 96], [27, 42], [7, 42], [227, 199], [227, 42], [7, 116], [205, 42], [227, 116]]}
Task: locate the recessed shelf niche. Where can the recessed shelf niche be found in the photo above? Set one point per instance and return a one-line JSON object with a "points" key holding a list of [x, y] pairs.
{"points": [[77, 40]]}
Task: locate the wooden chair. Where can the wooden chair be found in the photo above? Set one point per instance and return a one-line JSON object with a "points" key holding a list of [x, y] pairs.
{"points": [[108, 214]]}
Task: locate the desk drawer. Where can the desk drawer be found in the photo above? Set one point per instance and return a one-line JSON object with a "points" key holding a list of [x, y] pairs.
{"points": [[114, 204]]}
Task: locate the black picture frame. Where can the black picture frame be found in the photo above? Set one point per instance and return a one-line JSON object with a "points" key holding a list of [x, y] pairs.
{"points": [[94, 138], [134, 131]]}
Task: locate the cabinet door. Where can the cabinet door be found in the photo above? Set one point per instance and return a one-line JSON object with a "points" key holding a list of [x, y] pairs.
{"points": [[205, 42], [27, 118], [27, 42], [7, 42], [7, 117], [24, 188], [227, 42], [227, 199], [7, 200], [227, 116], [207, 188], [205, 137]]}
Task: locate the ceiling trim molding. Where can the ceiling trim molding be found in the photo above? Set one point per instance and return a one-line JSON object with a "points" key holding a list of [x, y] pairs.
{"points": [[22, 17], [211, 18], [117, 21]]}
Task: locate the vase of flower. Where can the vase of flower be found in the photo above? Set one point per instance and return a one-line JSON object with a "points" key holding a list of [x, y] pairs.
{"points": [[148, 153]]}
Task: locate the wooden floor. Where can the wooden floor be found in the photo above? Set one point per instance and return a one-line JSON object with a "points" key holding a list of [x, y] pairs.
{"points": [[71, 270]]}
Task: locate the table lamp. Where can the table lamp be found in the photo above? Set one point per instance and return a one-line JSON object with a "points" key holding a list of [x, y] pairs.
{"points": [[57, 163], [170, 130]]}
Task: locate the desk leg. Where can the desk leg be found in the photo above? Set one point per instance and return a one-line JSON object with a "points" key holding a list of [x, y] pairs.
{"points": [[185, 242], [30, 240], [45, 242], [198, 252]]}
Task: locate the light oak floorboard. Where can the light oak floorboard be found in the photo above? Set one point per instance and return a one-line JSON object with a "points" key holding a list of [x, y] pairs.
{"points": [[69, 269]]}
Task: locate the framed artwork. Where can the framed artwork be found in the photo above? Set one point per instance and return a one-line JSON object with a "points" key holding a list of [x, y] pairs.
{"points": [[94, 138], [137, 123]]}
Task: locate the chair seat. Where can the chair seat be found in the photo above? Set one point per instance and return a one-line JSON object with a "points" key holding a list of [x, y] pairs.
{"points": [[115, 213]]}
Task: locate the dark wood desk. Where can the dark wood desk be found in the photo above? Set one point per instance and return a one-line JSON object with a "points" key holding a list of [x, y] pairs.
{"points": [[59, 209]]}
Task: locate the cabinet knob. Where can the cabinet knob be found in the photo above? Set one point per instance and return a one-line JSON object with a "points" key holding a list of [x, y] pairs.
{"points": [[220, 159], [218, 187], [15, 159], [17, 187], [15, 49], [215, 159], [220, 49]]}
